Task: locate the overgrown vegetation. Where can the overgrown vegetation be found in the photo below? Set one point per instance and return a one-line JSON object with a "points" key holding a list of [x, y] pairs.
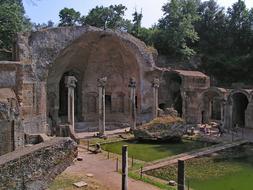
{"points": [[168, 120]]}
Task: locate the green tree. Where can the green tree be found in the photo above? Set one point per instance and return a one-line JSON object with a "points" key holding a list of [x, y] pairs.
{"points": [[177, 30], [106, 17], [211, 27], [137, 18], [240, 28], [12, 20], [69, 17]]}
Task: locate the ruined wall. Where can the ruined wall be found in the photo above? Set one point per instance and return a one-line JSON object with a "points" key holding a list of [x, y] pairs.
{"points": [[193, 86], [11, 128], [188, 86], [33, 167], [48, 54]]}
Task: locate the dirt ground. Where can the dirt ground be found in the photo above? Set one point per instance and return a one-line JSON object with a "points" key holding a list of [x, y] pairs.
{"points": [[104, 175]]}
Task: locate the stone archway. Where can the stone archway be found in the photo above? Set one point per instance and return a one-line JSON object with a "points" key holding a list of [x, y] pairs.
{"points": [[170, 95], [213, 105], [115, 55], [96, 55], [239, 106]]}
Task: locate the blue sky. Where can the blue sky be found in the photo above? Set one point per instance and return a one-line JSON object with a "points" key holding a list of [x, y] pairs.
{"points": [[45, 10]]}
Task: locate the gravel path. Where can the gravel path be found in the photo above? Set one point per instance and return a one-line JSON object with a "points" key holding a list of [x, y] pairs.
{"points": [[104, 171]]}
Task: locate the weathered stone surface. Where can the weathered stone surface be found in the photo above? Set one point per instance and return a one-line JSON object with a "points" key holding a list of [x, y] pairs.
{"points": [[34, 167], [163, 128]]}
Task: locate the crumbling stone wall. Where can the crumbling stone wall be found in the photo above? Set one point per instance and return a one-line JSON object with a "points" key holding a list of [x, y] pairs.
{"points": [[11, 128], [34, 167], [48, 54], [190, 85]]}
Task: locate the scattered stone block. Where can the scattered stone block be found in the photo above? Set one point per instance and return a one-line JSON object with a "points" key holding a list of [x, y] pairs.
{"points": [[172, 183], [89, 175], [80, 184]]}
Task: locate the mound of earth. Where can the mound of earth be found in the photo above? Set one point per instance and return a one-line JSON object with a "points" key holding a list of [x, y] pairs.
{"points": [[167, 128]]}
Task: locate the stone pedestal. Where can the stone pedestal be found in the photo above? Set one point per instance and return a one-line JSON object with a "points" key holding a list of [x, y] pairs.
{"points": [[101, 105], [70, 82], [132, 86], [155, 85]]}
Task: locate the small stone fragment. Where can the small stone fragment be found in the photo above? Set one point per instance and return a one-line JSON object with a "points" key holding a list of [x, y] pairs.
{"points": [[89, 175], [80, 184], [172, 183]]}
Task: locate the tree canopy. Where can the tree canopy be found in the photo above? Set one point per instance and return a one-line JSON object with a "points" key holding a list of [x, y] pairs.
{"points": [[12, 20], [69, 17]]}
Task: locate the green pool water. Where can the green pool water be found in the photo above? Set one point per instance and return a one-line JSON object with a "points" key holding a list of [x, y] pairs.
{"points": [[150, 151], [227, 170]]}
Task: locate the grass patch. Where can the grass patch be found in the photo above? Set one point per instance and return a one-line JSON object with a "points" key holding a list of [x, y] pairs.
{"points": [[228, 170], [150, 151], [145, 179], [64, 182]]}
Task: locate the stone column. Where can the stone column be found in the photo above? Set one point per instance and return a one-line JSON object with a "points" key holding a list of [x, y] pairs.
{"points": [[132, 86], [70, 82], [155, 85], [101, 105]]}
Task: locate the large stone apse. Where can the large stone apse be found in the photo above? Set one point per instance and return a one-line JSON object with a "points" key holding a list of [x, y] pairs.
{"points": [[87, 54]]}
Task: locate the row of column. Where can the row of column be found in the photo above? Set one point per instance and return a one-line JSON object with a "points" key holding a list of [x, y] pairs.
{"points": [[70, 82]]}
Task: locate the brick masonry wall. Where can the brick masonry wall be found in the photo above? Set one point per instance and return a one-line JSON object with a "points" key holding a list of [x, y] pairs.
{"points": [[34, 167]]}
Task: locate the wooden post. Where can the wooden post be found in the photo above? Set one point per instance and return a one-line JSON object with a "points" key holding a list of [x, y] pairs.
{"points": [[132, 161], [108, 155], [88, 145], [180, 175], [117, 164], [124, 167], [141, 171]]}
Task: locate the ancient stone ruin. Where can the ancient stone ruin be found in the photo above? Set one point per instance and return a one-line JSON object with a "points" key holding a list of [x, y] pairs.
{"points": [[89, 79]]}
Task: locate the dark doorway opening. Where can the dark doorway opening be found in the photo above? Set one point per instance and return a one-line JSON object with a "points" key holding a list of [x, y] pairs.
{"points": [[240, 104]]}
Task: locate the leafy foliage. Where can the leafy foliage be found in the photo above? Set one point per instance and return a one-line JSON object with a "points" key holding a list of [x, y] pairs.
{"points": [[111, 17], [69, 17], [12, 20], [177, 28]]}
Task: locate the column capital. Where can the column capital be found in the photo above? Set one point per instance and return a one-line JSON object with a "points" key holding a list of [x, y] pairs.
{"points": [[101, 82], [132, 83], [156, 82], [70, 81]]}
